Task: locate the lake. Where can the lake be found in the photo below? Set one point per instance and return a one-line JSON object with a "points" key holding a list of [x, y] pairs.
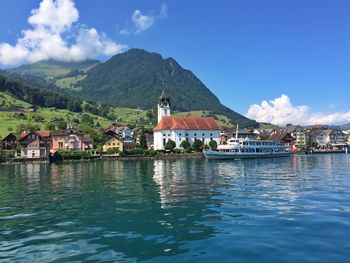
{"points": [[292, 209]]}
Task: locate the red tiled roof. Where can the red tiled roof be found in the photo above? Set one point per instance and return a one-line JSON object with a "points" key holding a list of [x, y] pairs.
{"points": [[186, 123], [44, 134]]}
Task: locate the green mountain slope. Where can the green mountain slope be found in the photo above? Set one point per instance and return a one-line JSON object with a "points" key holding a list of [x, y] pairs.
{"points": [[46, 73], [133, 79], [137, 77]]}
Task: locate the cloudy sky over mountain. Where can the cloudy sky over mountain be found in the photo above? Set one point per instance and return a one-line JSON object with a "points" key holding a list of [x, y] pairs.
{"points": [[247, 52]]}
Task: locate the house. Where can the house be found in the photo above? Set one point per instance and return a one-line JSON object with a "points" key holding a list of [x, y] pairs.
{"points": [[32, 108], [71, 125], [301, 136], [19, 115], [283, 136], [247, 133], [321, 137], [337, 138], [70, 140], [9, 143], [180, 128], [113, 144], [138, 131], [34, 145], [119, 131], [56, 121]]}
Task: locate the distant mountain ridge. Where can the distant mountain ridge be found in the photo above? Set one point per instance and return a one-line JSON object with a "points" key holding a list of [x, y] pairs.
{"points": [[45, 73], [137, 77], [133, 79]]}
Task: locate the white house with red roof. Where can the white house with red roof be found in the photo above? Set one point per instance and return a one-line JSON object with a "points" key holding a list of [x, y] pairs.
{"points": [[179, 128]]}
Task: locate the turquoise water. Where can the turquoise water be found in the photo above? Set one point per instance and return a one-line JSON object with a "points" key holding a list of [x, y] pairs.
{"points": [[270, 210]]}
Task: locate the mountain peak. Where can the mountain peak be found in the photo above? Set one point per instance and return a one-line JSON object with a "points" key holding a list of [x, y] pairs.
{"points": [[137, 77]]}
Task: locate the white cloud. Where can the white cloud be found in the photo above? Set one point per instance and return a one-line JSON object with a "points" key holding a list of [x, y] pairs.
{"points": [[281, 111], [55, 34], [141, 22], [163, 10]]}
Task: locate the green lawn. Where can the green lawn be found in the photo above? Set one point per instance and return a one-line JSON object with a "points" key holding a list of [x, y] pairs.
{"points": [[68, 83], [7, 100], [127, 115], [9, 121]]}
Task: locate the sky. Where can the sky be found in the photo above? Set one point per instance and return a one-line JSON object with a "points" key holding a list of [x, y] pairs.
{"points": [[275, 61]]}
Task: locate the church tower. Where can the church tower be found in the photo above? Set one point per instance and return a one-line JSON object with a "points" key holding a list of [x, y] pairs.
{"points": [[163, 106]]}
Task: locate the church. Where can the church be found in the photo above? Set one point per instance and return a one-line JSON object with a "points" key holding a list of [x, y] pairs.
{"points": [[180, 128]]}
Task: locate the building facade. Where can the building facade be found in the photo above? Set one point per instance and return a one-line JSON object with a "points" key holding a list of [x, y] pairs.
{"points": [[179, 128], [70, 140], [113, 144], [301, 136], [33, 145]]}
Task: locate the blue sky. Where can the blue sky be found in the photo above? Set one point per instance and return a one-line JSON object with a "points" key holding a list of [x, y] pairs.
{"points": [[244, 51]]}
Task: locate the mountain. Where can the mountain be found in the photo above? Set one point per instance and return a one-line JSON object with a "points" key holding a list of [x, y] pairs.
{"points": [[136, 78], [46, 73], [133, 79], [38, 96]]}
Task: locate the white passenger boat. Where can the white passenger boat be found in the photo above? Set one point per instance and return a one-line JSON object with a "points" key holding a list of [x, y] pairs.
{"points": [[238, 148]]}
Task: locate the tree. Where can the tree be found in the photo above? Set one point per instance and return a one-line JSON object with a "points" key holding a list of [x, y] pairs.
{"points": [[170, 145], [87, 120], [213, 144], [314, 144], [143, 141], [185, 144], [197, 145], [50, 126]]}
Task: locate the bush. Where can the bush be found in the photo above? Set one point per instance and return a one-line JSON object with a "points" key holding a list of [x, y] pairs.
{"points": [[178, 151], [73, 155], [141, 152], [189, 150], [7, 154], [170, 145], [213, 144], [112, 151], [143, 141], [185, 144], [197, 145]]}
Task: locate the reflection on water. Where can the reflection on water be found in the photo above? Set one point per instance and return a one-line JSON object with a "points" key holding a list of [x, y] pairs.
{"points": [[265, 210]]}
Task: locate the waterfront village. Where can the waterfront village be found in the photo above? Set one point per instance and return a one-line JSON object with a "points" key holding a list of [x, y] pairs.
{"points": [[172, 135]]}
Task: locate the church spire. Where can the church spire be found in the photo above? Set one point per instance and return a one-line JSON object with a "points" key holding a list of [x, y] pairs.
{"points": [[163, 106], [163, 99]]}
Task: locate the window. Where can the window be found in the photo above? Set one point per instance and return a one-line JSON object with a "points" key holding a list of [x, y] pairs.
{"points": [[179, 134], [211, 134], [203, 134], [195, 134], [186, 134]]}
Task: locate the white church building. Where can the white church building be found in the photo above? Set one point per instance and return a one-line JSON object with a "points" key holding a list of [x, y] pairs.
{"points": [[180, 128]]}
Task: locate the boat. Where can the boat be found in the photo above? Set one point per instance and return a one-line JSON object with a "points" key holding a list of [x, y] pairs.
{"points": [[239, 148]]}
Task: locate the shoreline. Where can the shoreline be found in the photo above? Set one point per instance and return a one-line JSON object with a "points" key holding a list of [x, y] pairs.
{"points": [[105, 158]]}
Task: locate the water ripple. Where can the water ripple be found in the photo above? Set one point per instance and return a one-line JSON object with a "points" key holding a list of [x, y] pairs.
{"points": [[273, 210]]}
